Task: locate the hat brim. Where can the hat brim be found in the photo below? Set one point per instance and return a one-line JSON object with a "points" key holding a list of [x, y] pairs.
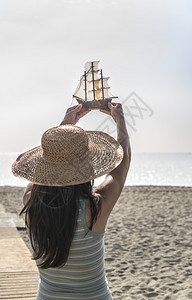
{"points": [[104, 154]]}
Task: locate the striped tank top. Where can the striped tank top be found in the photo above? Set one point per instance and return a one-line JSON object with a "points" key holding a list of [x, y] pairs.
{"points": [[83, 275]]}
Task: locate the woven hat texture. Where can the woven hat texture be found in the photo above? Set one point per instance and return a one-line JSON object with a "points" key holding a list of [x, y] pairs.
{"points": [[69, 155]]}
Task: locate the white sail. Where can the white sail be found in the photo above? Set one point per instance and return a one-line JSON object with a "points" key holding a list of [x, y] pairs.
{"points": [[98, 83], [88, 65], [97, 95], [105, 82], [80, 90], [90, 96], [89, 75], [106, 94]]}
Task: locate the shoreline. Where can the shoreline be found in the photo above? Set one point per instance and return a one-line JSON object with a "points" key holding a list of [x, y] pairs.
{"points": [[148, 241]]}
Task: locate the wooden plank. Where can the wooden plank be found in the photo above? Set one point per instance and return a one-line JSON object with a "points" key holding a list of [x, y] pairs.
{"points": [[19, 275]]}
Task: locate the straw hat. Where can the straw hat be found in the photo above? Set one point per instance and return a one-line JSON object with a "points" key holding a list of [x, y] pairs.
{"points": [[69, 155]]}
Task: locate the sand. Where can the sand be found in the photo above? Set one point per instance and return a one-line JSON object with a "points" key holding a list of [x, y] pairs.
{"points": [[148, 241]]}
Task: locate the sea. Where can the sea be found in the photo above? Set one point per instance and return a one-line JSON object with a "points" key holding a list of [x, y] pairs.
{"points": [[162, 169]]}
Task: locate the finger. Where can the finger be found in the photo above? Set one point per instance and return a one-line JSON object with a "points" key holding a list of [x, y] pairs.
{"points": [[77, 108], [105, 111], [109, 105], [80, 115], [113, 104], [84, 109], [72, 107]]}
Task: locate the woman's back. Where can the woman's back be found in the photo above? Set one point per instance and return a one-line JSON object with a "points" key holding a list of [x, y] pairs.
{"points": [[83, 275], [68, 159]]}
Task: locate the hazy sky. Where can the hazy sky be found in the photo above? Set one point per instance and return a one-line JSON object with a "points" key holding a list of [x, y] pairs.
{"points": [[145, 46]]}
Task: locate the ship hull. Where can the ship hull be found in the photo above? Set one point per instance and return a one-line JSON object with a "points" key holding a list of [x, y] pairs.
{"points": [[94, 104]]}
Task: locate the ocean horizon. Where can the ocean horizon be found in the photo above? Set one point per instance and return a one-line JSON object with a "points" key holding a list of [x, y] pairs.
{"points": [[162, 169]]}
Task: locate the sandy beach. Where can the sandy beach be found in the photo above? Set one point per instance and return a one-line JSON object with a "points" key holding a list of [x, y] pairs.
{"points": [[148, 241]]}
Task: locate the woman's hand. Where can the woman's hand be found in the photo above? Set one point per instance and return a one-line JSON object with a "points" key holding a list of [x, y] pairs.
{"points": [[73, 114], [115, 110]]}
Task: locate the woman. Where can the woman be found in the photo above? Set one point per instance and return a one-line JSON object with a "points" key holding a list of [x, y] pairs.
{"points": [[65, 215]]}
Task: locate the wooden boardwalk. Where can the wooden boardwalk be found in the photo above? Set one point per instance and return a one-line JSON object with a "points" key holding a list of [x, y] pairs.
{"points": [[18, 272]]}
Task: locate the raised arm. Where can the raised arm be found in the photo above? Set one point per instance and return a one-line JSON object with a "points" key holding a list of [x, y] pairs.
{"points": [[73, 114], [110, 189]]}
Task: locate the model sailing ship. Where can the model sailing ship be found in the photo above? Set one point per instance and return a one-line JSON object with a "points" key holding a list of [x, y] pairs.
{"points": [[92, 91]]}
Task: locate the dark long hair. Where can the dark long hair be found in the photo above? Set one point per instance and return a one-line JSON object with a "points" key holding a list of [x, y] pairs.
{"points": [[51, 216]]}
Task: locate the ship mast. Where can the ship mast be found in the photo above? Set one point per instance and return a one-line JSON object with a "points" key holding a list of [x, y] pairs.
{"points": [[102, 84], [85, 85], [93, 80]]}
